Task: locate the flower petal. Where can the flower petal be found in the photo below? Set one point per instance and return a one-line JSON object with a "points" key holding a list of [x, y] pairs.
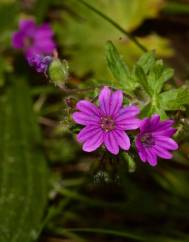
{"points": [[140, 149], [142, 154], [138, 142], [144, 124], [87, 133], [166, 142], [127, 112], [104, 100], [116, 102], [44, 31], [150, 124], [126, 118], [129, 124], [46, 46], [122, 139], [94, 143], [154, 125], [30, 52], [155, 120], [164, 125], [84, 119], [27, 25], [111, 143], [88, 108], [168, 132], [151, 156], [18, 40], [161, 152]]}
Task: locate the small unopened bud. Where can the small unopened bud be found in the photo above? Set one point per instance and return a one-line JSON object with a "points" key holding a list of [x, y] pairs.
{"points": [[58, 71]]}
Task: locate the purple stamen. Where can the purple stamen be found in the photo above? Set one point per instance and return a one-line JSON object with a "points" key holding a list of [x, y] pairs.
{"points": [[107, 123]]}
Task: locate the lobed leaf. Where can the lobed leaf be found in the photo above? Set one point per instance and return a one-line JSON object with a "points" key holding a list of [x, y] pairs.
{"points": [[147, 61], [142, 79], [174, 99], [152, 73], [158, 75], [150, 109], [119, 68]]}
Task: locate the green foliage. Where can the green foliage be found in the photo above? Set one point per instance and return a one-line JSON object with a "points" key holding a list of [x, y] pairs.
{"points": [[127, 10], [153, 107], [146, 195], [119, 69], [130, 161], [146, 61], [40, 9], [141, 78], [8, 11], [175, 7], [83, 34], [23, 170], [152, 74], [63, 150], [175, 99], [158, 75], [5, 67]]}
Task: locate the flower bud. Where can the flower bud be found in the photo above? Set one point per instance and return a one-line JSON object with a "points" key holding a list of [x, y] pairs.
{"points": [[39, 63], [58, 71]]}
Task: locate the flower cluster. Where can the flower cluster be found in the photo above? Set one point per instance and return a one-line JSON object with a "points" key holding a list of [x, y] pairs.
{"points": [[107, 124]]}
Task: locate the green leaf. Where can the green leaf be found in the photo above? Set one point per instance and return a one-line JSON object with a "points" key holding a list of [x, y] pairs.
{"points": [[152, 74], [116, 64], [150, 109], [141, 78], [147, 61], [23, 170], [174, 99], [118, 67], [158, 75]]}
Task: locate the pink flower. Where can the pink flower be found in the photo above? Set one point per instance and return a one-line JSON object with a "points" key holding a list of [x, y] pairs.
{"points": [[33, 39], [155, 139], [106, 123]]}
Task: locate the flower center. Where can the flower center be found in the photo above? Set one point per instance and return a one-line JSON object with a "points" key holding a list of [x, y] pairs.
{"points": [[28, 42], [147, 140], [107, 123]]}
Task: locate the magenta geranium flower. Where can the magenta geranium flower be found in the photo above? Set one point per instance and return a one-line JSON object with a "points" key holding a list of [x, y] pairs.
{"points": [[154, 139], [33, 39], [106, 124]]}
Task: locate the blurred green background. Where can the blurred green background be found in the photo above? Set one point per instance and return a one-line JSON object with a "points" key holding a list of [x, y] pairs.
{"points": [[50, 190]]}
